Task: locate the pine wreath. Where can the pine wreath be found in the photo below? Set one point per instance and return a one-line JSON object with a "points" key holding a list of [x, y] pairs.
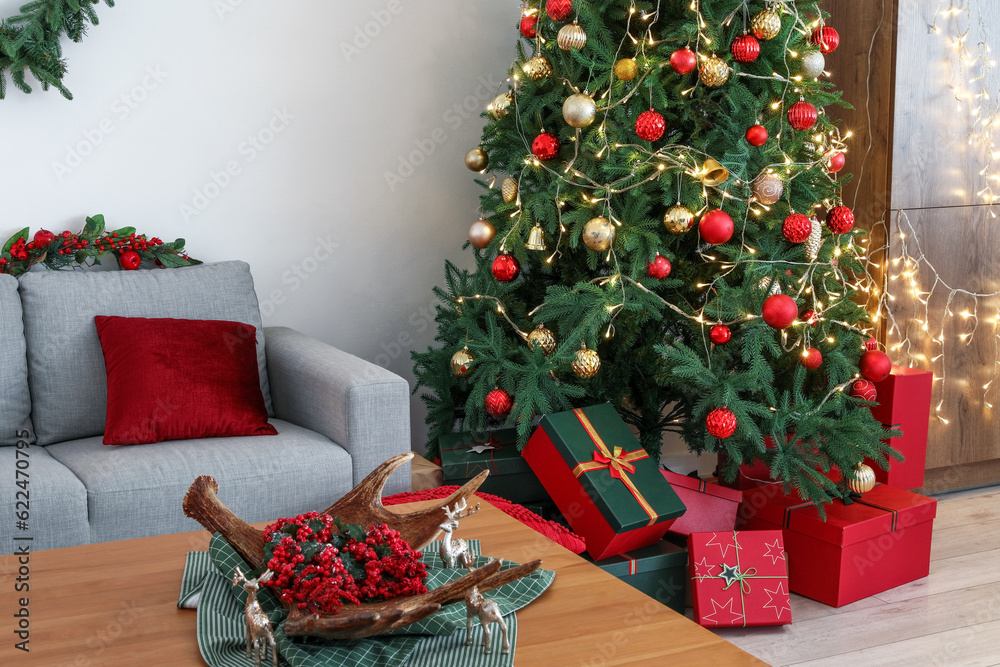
{"points": [[29, 41]]}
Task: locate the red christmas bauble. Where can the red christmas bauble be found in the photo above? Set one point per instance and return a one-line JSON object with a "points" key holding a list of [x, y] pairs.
{"points": [[683, 61], [745, 48], [498, 404], [529, 26], [506, 268], [809, 317], [836, 162], [779, 311], [650, 125], [756, 135], [840, 219], [721, 422], [811, 359], [875, 365], [863, 389], [558, 10], [43, 237], [797, 228], [545, 146], [716, 227], [659, 268], [720, 334], [826, 38], [871, 343], [130, 260], [802, 115]]}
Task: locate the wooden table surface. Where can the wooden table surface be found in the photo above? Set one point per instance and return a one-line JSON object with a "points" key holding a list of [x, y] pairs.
{"points": [[114, 604]]}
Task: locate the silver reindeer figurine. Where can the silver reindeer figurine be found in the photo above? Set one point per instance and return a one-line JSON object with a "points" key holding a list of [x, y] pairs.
{"points": [[488, 612], [453, 549], [259, 635]]}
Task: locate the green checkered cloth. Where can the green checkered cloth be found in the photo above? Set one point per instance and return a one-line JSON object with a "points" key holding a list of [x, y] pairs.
{"points": [[436, 640]]}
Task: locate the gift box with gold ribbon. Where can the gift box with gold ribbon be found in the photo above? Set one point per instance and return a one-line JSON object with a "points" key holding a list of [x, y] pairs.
{"points": [[604, 483]]}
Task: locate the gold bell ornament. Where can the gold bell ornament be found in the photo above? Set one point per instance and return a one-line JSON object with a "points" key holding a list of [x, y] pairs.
{"points": [[864, 479], [508, 189], [461, 362], [586, 363], [678, 219], [713, 174], [538, 67], [542, 338], [536, 238], [599, 234], [571, 36]]}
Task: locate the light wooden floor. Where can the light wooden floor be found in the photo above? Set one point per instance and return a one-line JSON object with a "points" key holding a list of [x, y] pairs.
{"points": [[951, 617]]}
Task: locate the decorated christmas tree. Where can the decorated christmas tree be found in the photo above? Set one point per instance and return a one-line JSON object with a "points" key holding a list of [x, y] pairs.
{"points": [[662, 229]]}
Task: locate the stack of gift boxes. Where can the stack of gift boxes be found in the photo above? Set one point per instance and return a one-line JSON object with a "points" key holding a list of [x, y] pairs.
{"points": [[734, 554]]}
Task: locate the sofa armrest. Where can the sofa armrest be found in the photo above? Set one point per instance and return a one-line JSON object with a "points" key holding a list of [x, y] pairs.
{"points": [[362, 407]]}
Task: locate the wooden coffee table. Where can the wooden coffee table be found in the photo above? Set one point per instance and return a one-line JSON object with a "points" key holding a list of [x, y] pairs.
{"points": [[114, 604]]}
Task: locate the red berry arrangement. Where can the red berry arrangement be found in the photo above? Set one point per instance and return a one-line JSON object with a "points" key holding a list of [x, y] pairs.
{"points": [[319, 563]]}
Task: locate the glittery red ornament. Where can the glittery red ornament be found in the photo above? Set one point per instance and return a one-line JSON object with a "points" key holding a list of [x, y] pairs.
{"points": [[659, 268], [809, 317], [802, 115], [650, 125], [716, 227], [811, 359], [863, 389], [558, 10], [871, 343], [836, 162], [498, 404], [826, 38], [745, 48], [875, 365], [840, 219], [683, 61], [796, 228], [506, 268], [130, 260], [720, 334], [756, 135], [545, 146], [721, 422], [529, 26], [779, 311]]}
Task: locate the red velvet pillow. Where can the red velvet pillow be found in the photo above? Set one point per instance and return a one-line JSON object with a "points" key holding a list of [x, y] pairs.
{"points": [[172, 379]]}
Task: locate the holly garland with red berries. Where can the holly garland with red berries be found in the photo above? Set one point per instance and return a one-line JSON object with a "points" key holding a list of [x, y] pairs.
{"points": [[662, 228], [70, 250]]}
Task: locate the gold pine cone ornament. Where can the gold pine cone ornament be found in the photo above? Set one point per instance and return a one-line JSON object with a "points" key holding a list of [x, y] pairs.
{"points": [[508, 189], [586, 363]]}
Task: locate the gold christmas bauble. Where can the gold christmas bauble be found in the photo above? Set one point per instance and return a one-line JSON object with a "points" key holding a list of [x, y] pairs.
{"points": [[626, 69], [538, 67], [815, 240], [766, 24], [508, 189], [477, 160], [579, 110], [714, 72], [461, 362], [768, 188], [542, 338], [864, 479], [678, 219], [571, 36], [599, 234], [500, 105], [586, 363], [481, 233]]}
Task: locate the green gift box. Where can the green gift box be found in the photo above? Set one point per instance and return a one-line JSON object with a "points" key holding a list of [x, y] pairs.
{"points": [[465, 455], [659, 571]]}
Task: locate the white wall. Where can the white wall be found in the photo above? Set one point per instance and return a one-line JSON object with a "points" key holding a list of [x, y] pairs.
{"points": [[226, 70]]}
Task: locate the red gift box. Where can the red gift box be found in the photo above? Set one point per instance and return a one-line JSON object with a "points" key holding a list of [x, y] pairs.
{"points": [[710, 507], [739, 578], [904, 400], [878, 542]]}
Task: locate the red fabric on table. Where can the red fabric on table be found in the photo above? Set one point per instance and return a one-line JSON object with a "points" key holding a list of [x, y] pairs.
{"points": [[739, 578], [710, 507], [173, 379], [550, 529]]}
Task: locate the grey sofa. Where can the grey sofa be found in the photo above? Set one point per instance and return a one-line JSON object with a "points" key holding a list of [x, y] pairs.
{"points": [[337, 416]]}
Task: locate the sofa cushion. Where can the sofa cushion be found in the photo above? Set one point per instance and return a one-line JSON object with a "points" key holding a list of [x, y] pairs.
{"points": [[65, 364], [171, 379], [15, 403], [138, 491], [58, 503]]}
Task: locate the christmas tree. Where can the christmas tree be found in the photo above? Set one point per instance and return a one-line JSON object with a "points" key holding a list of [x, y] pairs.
{"points": [[655, 178]]}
